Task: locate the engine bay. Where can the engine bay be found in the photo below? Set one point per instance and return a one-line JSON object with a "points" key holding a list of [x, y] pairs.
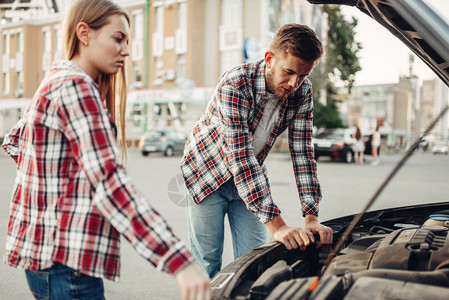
{"points": [[398, 265], [383, 258]]}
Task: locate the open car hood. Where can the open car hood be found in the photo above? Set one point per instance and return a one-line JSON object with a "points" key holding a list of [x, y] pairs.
{"points": [[414, 23]]}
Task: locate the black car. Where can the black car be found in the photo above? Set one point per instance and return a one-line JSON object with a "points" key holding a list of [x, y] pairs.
{"points": [[335, 143], [394, 253]]}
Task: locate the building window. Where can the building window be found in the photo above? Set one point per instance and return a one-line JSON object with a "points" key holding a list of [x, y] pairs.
{"points": [[20, 82], [182, 15], [231, 12], [137, 76], [20, 46], [19, 64], [230, 59], [58, 43], [6, 83], [158, 33], [181, 30], [6, 43], [138, 35], [46, 53], [181, 66], [137, 48], [158, 71], [231, 34], [138, 28], [5, 63], [159, 19]]}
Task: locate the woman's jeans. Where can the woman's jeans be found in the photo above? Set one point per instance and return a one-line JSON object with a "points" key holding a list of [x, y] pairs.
{"points": [[61, 282], [206, 227]]}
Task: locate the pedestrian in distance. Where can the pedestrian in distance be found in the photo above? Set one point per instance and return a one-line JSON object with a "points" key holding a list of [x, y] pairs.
{"points": [[375, 146], [72, 197], [223, 162], [358, 147]]}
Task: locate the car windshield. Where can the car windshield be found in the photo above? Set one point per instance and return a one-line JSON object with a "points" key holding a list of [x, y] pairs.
{"points": [[152, 135]]}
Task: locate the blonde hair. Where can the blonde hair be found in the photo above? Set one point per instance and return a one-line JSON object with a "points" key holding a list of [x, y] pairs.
{"points": [[95, 14]]}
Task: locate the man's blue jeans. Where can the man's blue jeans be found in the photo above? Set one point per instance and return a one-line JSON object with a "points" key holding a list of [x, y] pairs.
{"points": [[61, 282], [206, 227]]}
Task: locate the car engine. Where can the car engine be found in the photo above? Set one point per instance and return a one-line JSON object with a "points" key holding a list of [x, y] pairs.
{"points": [[378, 262], [399, 265]]}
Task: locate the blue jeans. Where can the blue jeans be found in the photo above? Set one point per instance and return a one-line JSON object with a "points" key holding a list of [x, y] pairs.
{"points": [[61, 282], [206, 227]]}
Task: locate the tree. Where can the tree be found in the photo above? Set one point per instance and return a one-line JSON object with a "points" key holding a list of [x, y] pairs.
{"points": [[341, 65]]}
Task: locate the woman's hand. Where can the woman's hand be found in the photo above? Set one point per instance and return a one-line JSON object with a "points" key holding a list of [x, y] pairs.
{"points": [[194, 283]]}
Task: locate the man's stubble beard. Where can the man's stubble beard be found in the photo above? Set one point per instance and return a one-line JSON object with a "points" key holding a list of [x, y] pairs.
{"points": [[272, 89]]}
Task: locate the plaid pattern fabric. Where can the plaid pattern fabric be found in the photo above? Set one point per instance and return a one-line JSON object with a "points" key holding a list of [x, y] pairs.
{"points": [[220, 146], [72, 197]]}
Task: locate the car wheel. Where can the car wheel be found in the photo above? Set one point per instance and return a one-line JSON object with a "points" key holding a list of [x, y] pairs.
{"points": [[145, 153], [169, 151], [349, 157]]}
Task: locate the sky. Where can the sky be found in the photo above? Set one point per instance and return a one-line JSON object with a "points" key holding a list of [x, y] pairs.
{"points": [[383, 57]]}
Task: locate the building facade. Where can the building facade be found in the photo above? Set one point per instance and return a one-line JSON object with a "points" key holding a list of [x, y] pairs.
{"points": [[403, 110], [178, 51], [434, 97], [192, 43]]}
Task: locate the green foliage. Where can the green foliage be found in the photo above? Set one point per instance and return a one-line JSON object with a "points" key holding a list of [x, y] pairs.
{"points": [[342, 60], [327, 116], [340, 67]]}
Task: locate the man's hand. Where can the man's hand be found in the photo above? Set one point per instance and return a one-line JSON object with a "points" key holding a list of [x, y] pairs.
{"points": [[314, 226], [291, 237], [194, 283], [294, 237]]}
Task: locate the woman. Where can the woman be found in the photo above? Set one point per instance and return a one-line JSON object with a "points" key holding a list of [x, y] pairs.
{"points": [[72, 197], [375, 144], [358, 147]]}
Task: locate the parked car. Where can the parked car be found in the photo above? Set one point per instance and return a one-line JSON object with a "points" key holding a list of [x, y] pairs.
{"points": [[393, 253], [440, 148], [167, 141], [335, 143]]}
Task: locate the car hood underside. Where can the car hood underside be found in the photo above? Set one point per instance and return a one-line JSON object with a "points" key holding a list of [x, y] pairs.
{"points": [[412, 22]]}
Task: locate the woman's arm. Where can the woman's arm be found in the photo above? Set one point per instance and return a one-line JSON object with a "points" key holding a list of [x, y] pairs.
{"points": [[12, 141]]}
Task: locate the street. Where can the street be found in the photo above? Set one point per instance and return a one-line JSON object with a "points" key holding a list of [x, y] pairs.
{"points": [[346, 189]]}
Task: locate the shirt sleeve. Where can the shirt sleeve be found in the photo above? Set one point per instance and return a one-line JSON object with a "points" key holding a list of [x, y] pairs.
{"points": [[302, 154], [88, 128], [249, 177], [12, 141]]}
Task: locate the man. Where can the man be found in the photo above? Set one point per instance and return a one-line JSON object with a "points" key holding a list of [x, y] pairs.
{"points": [[223, 163]]}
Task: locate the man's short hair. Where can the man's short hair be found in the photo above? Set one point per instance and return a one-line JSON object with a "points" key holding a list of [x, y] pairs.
{"points": [[299, 40]]}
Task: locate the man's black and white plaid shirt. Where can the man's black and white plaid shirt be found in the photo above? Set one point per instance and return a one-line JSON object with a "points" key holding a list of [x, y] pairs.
{"points": [[221, 146]]}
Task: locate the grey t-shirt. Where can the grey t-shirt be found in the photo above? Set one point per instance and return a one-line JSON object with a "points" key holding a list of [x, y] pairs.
{"points": [[266, 123]]}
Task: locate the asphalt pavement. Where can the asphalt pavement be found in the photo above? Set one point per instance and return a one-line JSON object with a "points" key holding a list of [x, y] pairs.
{"points": [[346, 189]]}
